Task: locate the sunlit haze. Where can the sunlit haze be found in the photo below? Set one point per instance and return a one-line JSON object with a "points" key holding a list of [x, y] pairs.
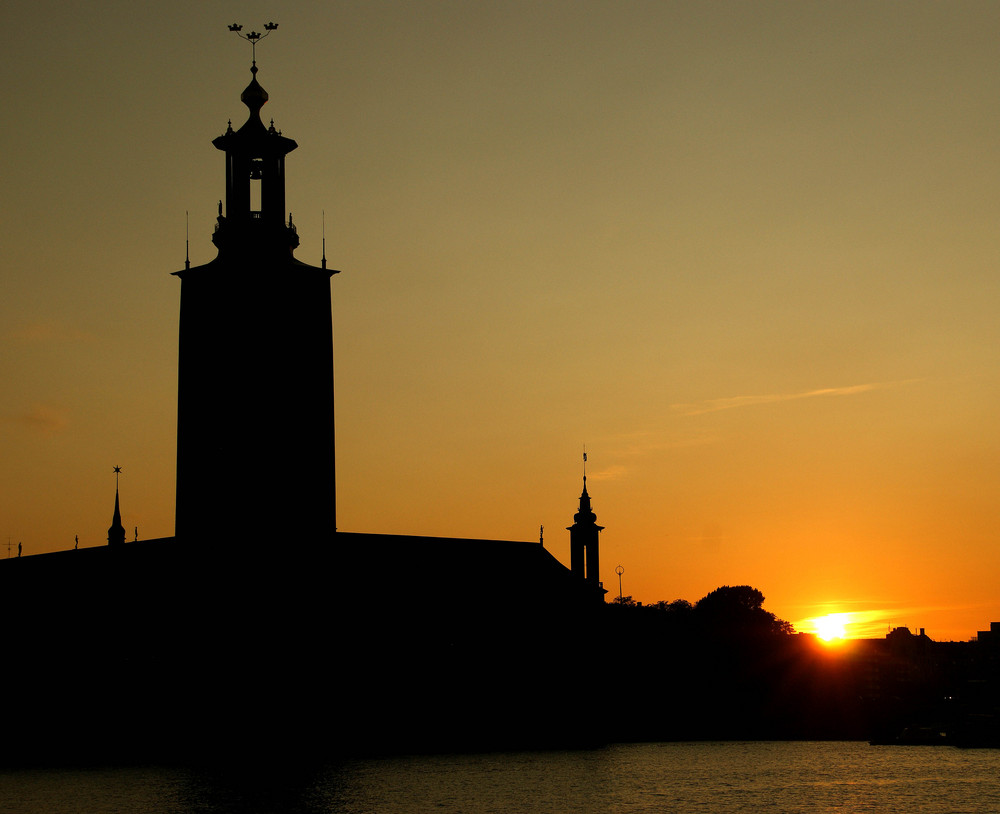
{"points": [[832, 627], [746, 253]]}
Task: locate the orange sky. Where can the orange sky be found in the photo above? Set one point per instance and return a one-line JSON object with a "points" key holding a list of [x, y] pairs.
{"points": [[745, 252]]}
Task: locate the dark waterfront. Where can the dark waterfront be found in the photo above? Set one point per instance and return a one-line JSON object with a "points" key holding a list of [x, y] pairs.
{"points": [[721, 778]]}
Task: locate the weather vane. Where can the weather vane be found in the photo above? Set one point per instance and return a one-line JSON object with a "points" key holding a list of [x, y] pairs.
{"points": [[253, 37]]}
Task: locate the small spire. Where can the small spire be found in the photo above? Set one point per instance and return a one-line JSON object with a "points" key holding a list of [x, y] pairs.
{"points": [[116, 534], [586, 513]]}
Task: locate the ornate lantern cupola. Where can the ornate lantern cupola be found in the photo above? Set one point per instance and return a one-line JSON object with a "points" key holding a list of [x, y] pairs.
{"points": [[254, 218]]}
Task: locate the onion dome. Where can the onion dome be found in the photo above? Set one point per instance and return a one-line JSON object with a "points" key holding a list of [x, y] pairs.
{"points": [[254, 97]]}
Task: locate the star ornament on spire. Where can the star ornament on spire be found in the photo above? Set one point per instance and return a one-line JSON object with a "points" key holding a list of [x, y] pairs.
{"points": [[118, 470]]}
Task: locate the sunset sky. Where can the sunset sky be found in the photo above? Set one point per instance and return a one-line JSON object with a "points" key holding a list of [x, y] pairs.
{"points": [[746, 252]]}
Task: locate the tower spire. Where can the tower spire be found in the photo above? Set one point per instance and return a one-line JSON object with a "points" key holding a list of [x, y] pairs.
{"points": [[116, 534]]}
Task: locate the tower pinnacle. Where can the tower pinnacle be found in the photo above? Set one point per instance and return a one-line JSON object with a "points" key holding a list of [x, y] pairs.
{"points": [[253, 38], [254, 97], [116, 534]]}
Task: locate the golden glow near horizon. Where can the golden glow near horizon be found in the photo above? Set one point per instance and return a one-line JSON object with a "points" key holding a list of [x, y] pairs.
{"points": [[746, 252], [832, 626], [837, 626]]}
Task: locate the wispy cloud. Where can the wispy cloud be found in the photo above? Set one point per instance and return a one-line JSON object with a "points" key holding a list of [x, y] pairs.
{"points": [[733, 402], [644, 442], [609, 473], [43, 419], [872, 619]]}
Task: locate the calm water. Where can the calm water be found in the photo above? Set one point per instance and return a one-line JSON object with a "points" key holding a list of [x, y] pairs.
{"points": [[678, 777]]}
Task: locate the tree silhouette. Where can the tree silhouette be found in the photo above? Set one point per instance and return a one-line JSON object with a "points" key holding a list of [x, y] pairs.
{"points": [[739, 609]]}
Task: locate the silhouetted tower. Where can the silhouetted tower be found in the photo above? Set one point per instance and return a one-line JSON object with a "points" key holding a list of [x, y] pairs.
{"points": [[116, 534], [255, 433], [584, 541]]}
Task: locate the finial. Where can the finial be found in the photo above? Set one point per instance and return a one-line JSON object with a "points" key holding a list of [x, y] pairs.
{"points": [[253, 38], [334, 271]]}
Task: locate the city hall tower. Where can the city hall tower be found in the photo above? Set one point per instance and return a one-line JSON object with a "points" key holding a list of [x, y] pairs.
{"points": [[255, 429]]}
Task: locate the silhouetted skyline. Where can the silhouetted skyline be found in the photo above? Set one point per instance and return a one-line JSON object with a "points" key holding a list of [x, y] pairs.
{"points": [[744, 252]]}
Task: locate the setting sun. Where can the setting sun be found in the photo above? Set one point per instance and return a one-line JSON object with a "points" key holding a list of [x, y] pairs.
{"points": [[831, 627]]}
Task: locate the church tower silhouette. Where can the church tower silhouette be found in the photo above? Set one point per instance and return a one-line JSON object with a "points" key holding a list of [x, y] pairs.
{"points": [[255, 426], [584, 541]]}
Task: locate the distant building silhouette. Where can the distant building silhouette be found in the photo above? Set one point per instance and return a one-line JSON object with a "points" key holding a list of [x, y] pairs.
{"points": [[255, 432]]}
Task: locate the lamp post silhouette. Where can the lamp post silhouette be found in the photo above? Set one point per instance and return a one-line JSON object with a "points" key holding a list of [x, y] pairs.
{"points": [[619, 570]]}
